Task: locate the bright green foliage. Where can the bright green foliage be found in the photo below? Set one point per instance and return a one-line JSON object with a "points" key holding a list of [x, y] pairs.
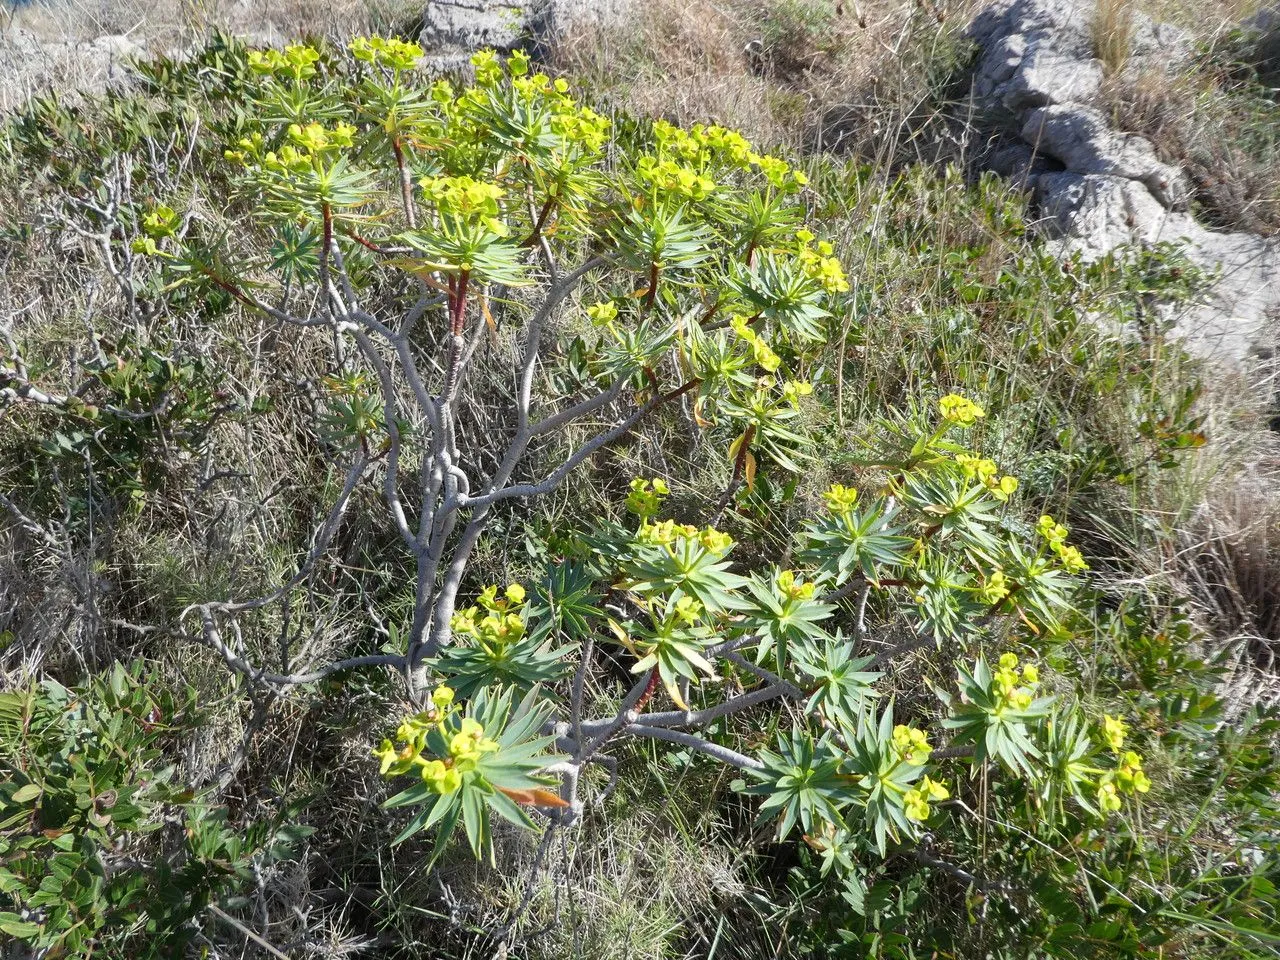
{"points": [[90, 862], [471, 764], [996, 712]]}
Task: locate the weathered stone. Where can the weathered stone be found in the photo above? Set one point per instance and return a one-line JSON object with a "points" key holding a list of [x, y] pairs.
{"points": [[470, 25], [30, 65], [1091, 216], [1038, 75], [1081, 139], [1046, 77]]}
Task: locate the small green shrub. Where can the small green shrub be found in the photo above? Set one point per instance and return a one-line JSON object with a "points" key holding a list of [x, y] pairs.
{"points": [[103, 850]]}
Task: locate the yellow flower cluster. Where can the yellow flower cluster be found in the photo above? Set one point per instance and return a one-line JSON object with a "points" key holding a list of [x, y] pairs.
{"points": [[488, 68], [820, 264], [912, 745], [314, 138], [995, 588], [162, 221], [688, 611], [467, 198], [667, 533], [464, 738], [1013, 687], [762, 352], [575, 124], [840, 499], [794, 588], [386, 52], [603, 314], [986, 472], [1129, 775], [646, 496], [1055, 535], [959, 410], [794, 390], [668, 176], [297, 59], [702, 145], [306, 143], [500, 625], [916, 800], [1114, 730]]}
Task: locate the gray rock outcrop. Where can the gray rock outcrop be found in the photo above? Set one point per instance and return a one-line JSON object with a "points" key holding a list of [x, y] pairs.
{"points": [[1038, 80], [464, 26]]}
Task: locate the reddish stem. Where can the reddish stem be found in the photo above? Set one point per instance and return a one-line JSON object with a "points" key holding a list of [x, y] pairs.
{"points": [[458, 302], [649, 690], [543, 215], [653, 287]]}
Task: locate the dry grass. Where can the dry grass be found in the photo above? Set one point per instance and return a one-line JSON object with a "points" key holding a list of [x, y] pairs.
{"points": [[161, 24], [1112, 27]]}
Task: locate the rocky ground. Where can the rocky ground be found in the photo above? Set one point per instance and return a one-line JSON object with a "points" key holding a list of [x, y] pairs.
{"points": [[1098, 187], [1036, 99]]}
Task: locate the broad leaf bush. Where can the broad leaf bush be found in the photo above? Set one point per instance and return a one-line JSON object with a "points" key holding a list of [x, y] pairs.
{"points": [[544, 398]]}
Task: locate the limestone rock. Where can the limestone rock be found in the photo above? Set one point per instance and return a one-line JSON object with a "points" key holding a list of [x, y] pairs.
{"points": [[30, 65], [1093, 215], [1037, 75], [1081, 139], [469, 25]]}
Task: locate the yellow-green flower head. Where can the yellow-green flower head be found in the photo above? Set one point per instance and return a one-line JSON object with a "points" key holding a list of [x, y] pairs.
{"points": [[912, 744], [793, 390], [670, 176], [518, 63], [646, 496], [488, 69], [386, 52], [793, 587], [1130, 776], [1008, 661], [387, 755], [1071, 559], [688, 610], [935, 789], [959, 410], [995, 588], [1030, 674], [442, 696], [915, 803], [603, 313], [1114, 730], [1003, 488], [515, 593], [976, 468], [145, 246], [464, 621], [774, 169], [714, 541], [665, 533], [162, 221], [266, 61], [840, 499], [1051, 530], [441, 777], [1108, 798], [764, 356]]}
